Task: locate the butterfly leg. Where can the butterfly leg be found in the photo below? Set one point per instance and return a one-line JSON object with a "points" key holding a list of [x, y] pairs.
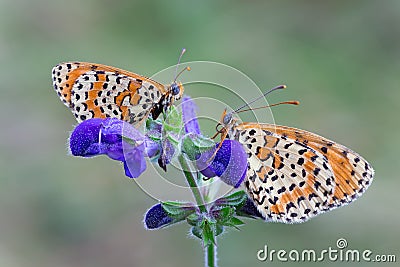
{"points": [[223, 136]]}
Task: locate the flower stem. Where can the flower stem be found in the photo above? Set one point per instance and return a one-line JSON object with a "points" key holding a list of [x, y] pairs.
{"points": [[210, 253], [192, 183], [210, 250]]}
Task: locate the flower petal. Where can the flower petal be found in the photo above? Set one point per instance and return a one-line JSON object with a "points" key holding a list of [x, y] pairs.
{"points": [[115, 138], [84, 140], [152, 148], [156, 218], [189, 115], [135, 163], [230, 163]]}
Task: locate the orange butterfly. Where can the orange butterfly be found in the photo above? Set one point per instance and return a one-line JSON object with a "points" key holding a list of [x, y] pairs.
{"points": [[98, 91], [294, 175]]}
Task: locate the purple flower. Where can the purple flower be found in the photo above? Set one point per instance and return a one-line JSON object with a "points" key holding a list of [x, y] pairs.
{"points": [[230, 163], [84, 140], [168, 213], [151, 148], [156, 218], [115, 138], [189, 116]]}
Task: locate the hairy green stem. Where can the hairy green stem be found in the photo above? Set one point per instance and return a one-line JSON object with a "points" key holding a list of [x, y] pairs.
{"points": [[210, 250], [192, 183], [210, 253]]}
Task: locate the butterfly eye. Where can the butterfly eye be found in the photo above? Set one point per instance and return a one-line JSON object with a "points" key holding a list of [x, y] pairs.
{"points": [[227, 119], [175, 89]]}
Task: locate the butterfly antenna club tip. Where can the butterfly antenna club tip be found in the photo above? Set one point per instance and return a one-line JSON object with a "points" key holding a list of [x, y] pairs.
{"points": [[179, 62]]}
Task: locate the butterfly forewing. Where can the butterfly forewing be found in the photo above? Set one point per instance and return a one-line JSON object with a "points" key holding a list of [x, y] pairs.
{"points": [[294, 175], [98, 91]]}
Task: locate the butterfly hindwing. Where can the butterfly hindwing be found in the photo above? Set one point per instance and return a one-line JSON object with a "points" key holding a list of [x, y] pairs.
{"points": [[353, 174], [295, 175]]}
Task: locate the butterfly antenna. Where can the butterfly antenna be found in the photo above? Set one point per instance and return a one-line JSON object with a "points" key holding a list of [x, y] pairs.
{"points": [[179, 62], [273, 105], [183, 70], [263, 95]]}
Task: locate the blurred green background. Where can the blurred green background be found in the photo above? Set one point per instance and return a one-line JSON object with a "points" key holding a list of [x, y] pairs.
{"points": [[341, 59]]}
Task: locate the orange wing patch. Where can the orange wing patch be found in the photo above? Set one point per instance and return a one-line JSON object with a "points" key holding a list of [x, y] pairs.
{"points": [[98, 91]]}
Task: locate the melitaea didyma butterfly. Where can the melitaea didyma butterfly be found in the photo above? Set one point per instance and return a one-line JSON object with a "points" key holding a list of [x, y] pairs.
{"points": [[98, 91], [294, 175]]}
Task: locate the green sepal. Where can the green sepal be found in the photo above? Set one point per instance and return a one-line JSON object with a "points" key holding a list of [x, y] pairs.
{"points": [[193, 219], [235, 222], [236, 199], [177, 210], [153, 124], [173, 120], [223, 214], [225, 209], [208, 234], [193, 145], [219, 229], [153, 129], [173, 138], [196, 231]]}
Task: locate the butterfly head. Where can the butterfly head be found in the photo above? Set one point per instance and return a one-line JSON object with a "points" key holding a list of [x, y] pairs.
{"points": [[226, 122], [226, 118], [176, 90]]}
